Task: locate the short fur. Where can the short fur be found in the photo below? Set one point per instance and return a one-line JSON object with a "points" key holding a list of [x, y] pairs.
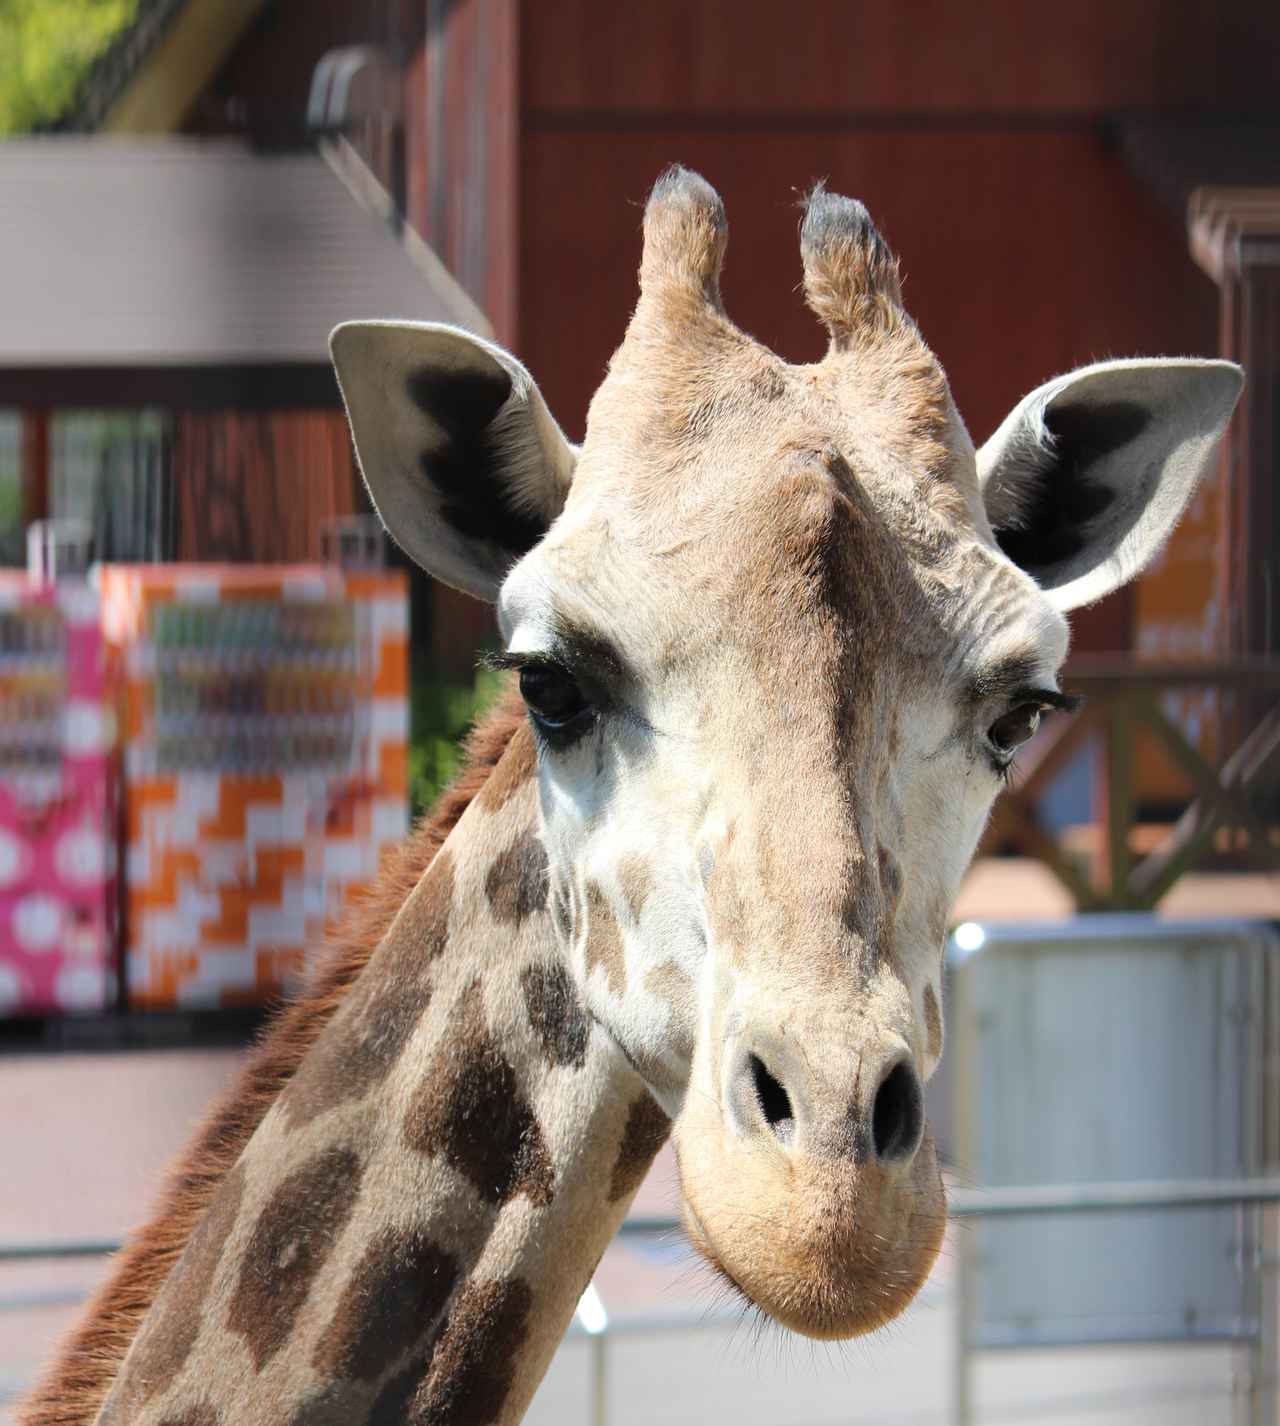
{"points": [[81, 1375]]}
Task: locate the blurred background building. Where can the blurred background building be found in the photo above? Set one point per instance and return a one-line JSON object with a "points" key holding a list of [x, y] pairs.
{"points": [[169, 297], [1032, 171]]}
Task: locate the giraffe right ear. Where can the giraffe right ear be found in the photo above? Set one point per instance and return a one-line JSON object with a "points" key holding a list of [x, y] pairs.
{"points": [[463, 461]]}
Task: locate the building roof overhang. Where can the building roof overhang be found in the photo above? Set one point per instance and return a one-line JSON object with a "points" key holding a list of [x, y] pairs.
{"points": [[183, 254]]}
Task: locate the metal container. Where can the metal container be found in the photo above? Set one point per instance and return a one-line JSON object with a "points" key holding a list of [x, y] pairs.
{"points": [[1106, 1049]]}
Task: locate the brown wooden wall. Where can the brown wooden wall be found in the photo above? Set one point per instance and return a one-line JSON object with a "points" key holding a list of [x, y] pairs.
{"points": [[976, 136], [740, 57], [259, 485]]}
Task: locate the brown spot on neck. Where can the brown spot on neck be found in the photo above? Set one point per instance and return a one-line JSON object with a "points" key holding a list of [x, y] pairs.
{"points": [[645, 1133], [471, 1108], [395, 1294], [516, 884], [556, 1013], [476, 1358], [292, 1239]]}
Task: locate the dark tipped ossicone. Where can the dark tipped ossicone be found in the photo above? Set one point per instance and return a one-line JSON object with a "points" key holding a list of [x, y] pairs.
{"points": [[850, 274], [684, 237], [684, 185]]}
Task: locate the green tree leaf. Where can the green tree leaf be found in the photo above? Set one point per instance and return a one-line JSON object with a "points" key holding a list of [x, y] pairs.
{"points": [[46, 49]]}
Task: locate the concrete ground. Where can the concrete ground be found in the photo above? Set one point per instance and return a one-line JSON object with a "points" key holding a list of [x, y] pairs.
{"points": [[86, 1137]]}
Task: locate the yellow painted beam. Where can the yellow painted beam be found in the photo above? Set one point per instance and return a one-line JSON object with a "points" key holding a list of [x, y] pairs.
{"points": [[180, 67]]}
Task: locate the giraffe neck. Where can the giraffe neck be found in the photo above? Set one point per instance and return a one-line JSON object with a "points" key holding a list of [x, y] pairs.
{"points": [[406, 1234]]}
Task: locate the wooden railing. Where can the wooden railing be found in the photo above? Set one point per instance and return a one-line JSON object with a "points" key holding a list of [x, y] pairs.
{"points": [[1232, 803]]}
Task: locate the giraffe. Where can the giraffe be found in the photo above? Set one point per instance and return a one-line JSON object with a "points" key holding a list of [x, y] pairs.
{"points": [[776, 634]]}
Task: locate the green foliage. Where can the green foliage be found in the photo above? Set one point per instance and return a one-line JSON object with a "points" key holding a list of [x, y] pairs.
{"points": [[441, 715], [46, 49]]}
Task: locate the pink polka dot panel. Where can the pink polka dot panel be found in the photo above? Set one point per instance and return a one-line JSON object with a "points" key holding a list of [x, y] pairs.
{"points": [[57, 801]]}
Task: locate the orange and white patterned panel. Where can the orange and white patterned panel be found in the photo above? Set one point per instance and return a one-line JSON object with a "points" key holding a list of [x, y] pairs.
{"points": [[264, 721]]}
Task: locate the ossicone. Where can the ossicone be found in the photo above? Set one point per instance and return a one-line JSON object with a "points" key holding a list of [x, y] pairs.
{"points": [[685, 234], [850, 275]]}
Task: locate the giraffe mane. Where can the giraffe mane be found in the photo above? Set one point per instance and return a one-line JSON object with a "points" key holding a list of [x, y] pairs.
{"points": [[73, 1388]]}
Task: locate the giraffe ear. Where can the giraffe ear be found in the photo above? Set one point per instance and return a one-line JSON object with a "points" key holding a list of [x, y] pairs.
{"points": [[1087, 475], [463, 461]]}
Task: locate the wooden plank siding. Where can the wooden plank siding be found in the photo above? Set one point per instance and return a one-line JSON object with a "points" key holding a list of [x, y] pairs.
{"points": [[259, 485], [736, 59], [978, 139], [977, 135]]}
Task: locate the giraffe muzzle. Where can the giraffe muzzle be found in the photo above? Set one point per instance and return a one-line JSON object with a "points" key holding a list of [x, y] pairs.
{"points": [[810, 1179]]}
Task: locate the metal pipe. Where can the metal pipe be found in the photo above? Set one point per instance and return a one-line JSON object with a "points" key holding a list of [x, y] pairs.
{"points": [[85, 1248], [1108, 1197], [1065, 1198], [961, 1203]]}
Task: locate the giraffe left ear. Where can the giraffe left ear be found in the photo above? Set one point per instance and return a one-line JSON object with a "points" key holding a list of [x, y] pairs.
{"points": [[1085, 478], [463, 461]]}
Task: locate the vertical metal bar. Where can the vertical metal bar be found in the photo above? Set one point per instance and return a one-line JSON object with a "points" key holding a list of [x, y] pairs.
{"points": [[962, 1359], [594, 1318], [1266, 1356], [964, 1052], [599, 1379], [1264, 1382]]}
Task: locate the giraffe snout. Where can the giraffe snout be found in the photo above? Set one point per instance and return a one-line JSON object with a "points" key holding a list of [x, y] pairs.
{"points": [[875, 1115]]}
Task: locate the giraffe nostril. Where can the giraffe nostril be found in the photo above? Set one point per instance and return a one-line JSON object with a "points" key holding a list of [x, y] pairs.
{"points": [[775, 1104], [897, 1117]]}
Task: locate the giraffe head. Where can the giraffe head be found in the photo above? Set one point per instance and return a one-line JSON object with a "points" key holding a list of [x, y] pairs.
{"points": [[780, 630]]}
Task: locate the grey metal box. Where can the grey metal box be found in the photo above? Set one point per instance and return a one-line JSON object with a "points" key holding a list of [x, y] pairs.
{"points": [[1107, 1049]]}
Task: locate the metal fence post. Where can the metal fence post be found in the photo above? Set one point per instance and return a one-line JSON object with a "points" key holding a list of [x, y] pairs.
{"points": [[1264, 1369], [599, 1379], [594, 1319], [962, 1362]]}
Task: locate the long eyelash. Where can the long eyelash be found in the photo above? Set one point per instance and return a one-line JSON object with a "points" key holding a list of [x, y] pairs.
{"points": [[1049, 699], [514, 662], [1005, 771]]}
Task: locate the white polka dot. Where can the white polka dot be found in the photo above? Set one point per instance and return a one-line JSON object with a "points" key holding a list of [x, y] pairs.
{"points": [[78, 602], [37, 921], [13, 859], [80, 857], [10, 988], [88, 728], [81, 987]]}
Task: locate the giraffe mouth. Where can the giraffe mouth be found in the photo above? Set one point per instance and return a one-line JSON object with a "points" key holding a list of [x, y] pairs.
{"points": [[702, 1240], [828, 1248]]}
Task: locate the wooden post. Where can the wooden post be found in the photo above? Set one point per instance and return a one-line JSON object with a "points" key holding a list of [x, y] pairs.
{"points": [[1235, 237], [35, 464]]}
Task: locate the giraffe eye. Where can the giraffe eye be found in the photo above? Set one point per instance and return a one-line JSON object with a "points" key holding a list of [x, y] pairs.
{"points": [[555, 702], [1014, 728]]}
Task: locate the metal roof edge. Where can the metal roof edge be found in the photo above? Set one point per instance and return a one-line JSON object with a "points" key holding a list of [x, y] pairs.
{"points": [[363, 185], [180, 64]]}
